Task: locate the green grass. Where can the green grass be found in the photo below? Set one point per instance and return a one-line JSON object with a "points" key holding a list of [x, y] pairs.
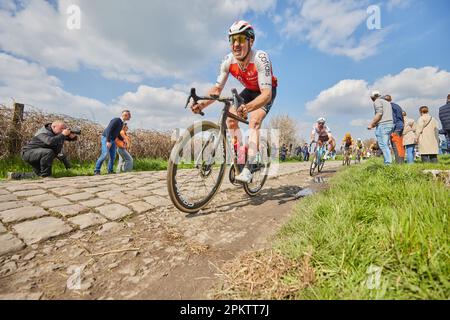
{"points": [[393, 217], [79, 169]]}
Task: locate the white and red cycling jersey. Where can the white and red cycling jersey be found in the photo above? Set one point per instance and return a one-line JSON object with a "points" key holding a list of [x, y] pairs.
{"points": [[258, 74], [321, 134]]}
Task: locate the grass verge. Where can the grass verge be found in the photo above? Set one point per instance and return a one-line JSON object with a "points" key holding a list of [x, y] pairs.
{"points": [[16, 164], [377, 233]]}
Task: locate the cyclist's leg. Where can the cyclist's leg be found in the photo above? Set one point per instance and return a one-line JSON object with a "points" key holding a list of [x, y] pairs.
{"points": [[234, 130], [319, 150], [256, 119], [255, 123]]}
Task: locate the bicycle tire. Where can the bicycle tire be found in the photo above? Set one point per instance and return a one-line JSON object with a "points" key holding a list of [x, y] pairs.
{"points": [[177, 199], [320, 167], [313, 165], [232, 176], [254, 191]]}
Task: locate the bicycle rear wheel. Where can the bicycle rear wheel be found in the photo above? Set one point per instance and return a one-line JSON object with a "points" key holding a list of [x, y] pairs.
{"points": [[261, 172], [196, 167]]}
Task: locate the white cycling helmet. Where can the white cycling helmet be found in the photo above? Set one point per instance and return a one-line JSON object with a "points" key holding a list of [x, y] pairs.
{"points": [[359, 139], [321, 120], [242, 26]]}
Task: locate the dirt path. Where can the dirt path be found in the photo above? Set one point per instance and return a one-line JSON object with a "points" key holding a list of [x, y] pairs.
{"points": [[156, 252]]}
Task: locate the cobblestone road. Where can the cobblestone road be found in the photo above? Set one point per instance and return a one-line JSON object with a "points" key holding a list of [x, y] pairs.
{"points": [[68, 218]]}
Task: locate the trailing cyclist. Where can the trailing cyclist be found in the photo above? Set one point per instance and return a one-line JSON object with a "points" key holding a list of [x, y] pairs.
{"points": [[347, 145], [322, 134], [360, 150], [254, 70], [347, 142]]}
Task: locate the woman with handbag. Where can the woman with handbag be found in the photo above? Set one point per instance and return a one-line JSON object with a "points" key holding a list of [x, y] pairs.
{"points": [[427, 136]]}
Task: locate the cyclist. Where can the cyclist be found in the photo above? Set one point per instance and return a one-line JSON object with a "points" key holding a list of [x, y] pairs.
{"points": [[254, 70], [359, 145], [360, 148], [347, 142], [323, 134]]}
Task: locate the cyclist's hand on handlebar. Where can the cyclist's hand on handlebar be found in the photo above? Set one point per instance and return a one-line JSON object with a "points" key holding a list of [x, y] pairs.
{"points": [[197, 108], [242, 111]]}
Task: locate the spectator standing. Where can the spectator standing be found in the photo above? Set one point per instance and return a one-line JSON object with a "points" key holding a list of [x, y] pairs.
{"points": [[109, 135], [306, 152], [125, 159], [427, 136], [409, 137], [283, 152], [397, 135], [383, 122]]}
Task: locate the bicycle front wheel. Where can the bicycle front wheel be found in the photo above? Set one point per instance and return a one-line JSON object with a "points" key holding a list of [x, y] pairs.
{"points": [[196, 167], [313, 165], [320, 166]]}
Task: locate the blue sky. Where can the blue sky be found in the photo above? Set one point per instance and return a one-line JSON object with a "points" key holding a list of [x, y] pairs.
{"points": [[147, 55]]}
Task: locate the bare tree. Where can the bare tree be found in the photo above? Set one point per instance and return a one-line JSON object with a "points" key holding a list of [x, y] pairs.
{"points": [[288, 130]]}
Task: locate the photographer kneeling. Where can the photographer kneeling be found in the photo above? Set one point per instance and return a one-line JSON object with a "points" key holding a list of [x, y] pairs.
{"points": [[45, 146]]}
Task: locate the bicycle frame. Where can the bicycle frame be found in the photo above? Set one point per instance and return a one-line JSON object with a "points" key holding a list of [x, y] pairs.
{"points": [[236, 100], [318, 150]]}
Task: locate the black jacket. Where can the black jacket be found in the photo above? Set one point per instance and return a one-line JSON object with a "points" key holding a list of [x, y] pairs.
{"points": [[113, 129], [46, 138], [444, 116]]}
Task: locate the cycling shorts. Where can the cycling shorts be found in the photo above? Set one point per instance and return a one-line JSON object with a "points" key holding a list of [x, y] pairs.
{"points": [[324, 138], [249, 96]]}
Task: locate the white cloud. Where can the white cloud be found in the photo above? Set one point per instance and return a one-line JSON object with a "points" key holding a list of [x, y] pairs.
{"points": [[347, 96], [360, 123], [152, 108], [411, 88], [7, 5], [29, 83], [427, 82], [331, 26], [394, 4], [146, 39]]}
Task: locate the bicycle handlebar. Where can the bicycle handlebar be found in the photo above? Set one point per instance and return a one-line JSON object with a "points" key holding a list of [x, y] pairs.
{"points": [[236, 99]]}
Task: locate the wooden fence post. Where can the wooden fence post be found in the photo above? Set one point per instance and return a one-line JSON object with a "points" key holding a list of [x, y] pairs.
{"points": [[15, 140]]}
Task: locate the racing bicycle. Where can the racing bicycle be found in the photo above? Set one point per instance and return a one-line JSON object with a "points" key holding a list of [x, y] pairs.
{"points": [[358, 155], [317, 157], [347, 156], [199, 159]]}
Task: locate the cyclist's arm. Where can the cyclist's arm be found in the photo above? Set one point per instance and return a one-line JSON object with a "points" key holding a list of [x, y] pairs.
{"points": [[211, 92]]}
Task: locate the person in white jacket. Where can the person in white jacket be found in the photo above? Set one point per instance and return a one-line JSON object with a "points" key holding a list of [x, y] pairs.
{"points": [[409, 137], [427, 135]]}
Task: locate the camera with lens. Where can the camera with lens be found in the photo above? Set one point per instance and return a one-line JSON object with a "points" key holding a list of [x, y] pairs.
{"points": [[76, 131]]}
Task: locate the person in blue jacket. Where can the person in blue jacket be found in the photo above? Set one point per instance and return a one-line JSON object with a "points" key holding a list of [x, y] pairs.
{"points": [[109, 136], [397, 134], [444, 116]]}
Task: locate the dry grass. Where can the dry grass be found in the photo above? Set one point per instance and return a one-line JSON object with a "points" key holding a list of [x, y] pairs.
{"points": [[197, 248], [145, 143], [265, 275]]}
